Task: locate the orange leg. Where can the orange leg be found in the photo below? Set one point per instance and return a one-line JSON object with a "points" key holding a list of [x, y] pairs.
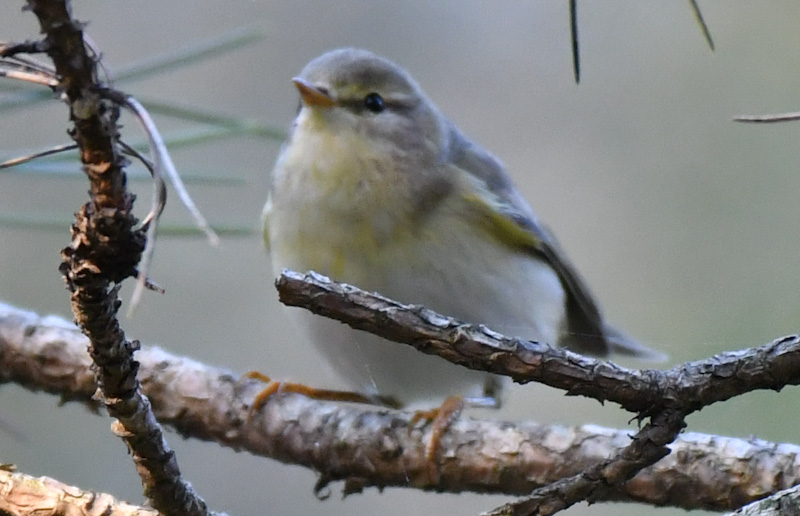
{"points": [[441, 418], [274, 387]]}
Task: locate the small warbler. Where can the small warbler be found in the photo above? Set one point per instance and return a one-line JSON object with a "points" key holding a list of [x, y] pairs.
{"points": [[376, 188]]}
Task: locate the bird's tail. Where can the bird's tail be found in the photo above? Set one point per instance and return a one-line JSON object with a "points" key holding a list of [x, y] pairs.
{"points": [[621, 344]]}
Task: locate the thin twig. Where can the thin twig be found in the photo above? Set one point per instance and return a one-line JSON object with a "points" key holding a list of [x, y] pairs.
{"points": [[160, 198], [573, 32], [163, 165], [30, 64], [23, 68], [769, 119], [163, 161], [40, 154], [31, 77], [8, 49], [698, 15]]}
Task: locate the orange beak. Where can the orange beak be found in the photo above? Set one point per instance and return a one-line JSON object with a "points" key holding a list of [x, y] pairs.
{"points": [[312, 96]]}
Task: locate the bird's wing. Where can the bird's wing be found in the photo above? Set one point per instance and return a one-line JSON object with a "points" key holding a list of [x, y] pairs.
{"points": [[502, 207]]}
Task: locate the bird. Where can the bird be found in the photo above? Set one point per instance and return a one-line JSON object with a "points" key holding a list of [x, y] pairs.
{"points": [[375, 187]]}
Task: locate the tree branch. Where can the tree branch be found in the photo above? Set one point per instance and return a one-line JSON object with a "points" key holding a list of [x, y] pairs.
{"points": [[105, 249], [688, 387], [782, 503], [368, 447], [599, 482], [666, 397], [24, 495]]}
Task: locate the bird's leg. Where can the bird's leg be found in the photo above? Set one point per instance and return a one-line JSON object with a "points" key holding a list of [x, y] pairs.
{"points": [[443, 416], [440, 418], [276, 387]]}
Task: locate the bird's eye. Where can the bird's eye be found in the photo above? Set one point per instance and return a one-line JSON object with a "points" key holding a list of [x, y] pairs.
{"points": [[374, 102]]}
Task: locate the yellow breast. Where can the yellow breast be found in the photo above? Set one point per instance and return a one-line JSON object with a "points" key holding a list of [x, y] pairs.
{"points": [[335, 202]]}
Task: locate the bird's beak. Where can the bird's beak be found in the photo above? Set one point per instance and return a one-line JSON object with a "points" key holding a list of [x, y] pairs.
{"points": [[312, 96]]}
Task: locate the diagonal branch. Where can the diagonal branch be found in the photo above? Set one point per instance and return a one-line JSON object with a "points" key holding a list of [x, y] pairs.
{"points": [[686, 387], [600, 481]]}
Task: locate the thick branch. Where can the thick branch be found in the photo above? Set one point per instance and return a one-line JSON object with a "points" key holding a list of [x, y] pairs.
{"points": [[374, 448], [24, 495], [782, 503]]}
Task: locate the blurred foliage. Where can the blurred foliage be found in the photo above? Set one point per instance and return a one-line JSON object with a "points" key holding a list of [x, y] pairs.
{"points": [[205, 127]]}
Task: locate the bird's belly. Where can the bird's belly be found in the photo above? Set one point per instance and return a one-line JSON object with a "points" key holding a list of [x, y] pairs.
{"points": [[475, 280]]}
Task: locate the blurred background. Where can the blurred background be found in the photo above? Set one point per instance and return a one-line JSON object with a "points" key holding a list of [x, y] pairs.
{"points": [[683, 222]]}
